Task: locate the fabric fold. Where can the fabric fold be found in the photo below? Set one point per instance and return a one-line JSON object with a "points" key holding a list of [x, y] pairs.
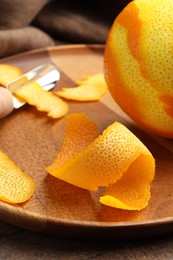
{"points": [[27, 25]]}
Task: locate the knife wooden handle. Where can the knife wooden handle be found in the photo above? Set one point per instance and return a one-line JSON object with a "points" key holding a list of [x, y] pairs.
{"points": [[6, 102]]}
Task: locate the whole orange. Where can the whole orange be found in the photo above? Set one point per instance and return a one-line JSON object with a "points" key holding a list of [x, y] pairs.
{"points": [[138, 64]]}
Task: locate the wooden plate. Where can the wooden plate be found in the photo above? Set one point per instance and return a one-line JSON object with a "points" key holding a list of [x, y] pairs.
{"points": [[31, 139]]}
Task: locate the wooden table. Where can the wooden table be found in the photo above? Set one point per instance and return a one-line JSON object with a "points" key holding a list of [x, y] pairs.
{"points": [[18, 244]]}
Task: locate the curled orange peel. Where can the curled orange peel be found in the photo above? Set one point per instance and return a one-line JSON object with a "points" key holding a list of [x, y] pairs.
{"points": [[8, 73], [43, 100], [15, 185], [117, 160], [92, 88], [80, 131], [132, 191]]}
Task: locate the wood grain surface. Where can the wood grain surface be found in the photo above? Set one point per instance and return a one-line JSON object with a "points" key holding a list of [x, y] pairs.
{"points": [[17, 243], [31, 139]]}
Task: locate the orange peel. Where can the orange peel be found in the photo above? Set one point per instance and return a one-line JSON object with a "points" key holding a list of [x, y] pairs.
{"points": [[8, 73], [92, 88], [80, 131], [15, 185], [132, 191], [43, 100], [117, 158]]}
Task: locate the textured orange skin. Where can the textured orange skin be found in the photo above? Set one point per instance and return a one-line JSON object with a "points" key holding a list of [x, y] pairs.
{"points": [[15, 185], [115, 83], [129, 19], [113, 76], [168, 101], [80, 131], [91, 88], [8, 73], [89, 160]]}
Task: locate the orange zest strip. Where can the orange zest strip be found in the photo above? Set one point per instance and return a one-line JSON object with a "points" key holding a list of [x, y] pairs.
{"points": [[43, 100], [132, 191], [8, 73], [92, 88], [15, 186], [80, 131], [117, 160]]}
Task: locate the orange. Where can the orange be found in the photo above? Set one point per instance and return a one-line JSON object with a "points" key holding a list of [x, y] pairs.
{"points": [[138, 64]]}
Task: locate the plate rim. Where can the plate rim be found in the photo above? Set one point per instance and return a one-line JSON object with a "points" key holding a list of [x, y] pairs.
{"points": [[89, 229], [52, 48]]}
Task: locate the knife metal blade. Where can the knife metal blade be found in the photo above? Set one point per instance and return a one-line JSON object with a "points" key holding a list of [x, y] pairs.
{"points": [[46, 75]]}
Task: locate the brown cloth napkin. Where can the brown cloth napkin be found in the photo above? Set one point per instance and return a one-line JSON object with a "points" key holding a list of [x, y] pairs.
{"points": [[31, 24]]}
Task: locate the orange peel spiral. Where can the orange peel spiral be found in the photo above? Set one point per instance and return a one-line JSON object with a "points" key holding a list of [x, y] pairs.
{"points": [[80, 131], [117, 158]]}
